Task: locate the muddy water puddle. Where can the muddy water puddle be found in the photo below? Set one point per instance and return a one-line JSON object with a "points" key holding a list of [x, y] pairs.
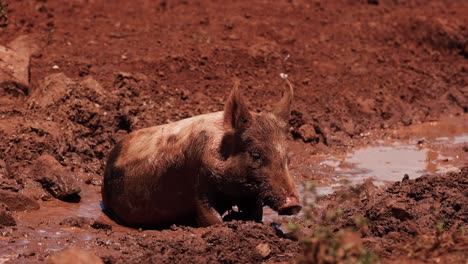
{"points": [[41, 229], [416, 150], [428, 148]]}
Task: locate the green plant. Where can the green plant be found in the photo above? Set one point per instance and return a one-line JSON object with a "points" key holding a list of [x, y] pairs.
{"points": [[439, 226], [327, 243]]}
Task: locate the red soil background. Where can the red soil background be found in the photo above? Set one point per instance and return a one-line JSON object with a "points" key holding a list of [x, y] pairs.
{"points": [[356, 66]]}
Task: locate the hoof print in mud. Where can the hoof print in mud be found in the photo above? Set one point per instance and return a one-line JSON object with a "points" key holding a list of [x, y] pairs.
{"points": [[56, 179]]}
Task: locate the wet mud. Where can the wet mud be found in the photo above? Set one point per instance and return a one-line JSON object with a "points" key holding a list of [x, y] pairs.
{"points": [[380, 93]]}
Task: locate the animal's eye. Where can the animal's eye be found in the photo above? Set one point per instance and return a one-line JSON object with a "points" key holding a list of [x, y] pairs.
{"points": [[256, 156]]}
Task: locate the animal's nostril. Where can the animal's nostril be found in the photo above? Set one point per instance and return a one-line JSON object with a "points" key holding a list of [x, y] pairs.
{"points": [[290, 210], [290, 207]]}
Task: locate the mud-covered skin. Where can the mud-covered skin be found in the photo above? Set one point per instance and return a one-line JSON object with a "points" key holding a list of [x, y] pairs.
{"points": [[192, 171]]}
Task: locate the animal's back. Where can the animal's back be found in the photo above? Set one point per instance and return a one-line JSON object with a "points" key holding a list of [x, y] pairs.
{"points": [[151, 174]]}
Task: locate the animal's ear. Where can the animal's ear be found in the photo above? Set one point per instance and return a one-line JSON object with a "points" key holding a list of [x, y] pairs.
{"points": [[283, 108], [237, 116]]}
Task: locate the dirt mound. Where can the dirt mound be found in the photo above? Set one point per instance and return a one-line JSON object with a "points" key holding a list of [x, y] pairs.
{"points": [[423, 219], [231, 242]]}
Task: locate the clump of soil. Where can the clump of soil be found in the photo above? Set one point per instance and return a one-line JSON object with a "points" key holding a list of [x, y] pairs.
{"points": [[421, 219]]}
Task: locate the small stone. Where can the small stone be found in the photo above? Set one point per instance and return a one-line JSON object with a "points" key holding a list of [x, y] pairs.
{"points": [[307, 133], [74, 255], [55, 67], [263, 250]]}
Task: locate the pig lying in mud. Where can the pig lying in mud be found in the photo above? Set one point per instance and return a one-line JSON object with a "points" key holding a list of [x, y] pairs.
{"points": [[193, 171]]}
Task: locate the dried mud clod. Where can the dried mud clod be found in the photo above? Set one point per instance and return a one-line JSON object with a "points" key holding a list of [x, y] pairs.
{"points": [[57, 180], [17, 201]]}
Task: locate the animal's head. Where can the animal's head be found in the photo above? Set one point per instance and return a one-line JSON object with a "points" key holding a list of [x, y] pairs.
{"points": [[257, 149]]}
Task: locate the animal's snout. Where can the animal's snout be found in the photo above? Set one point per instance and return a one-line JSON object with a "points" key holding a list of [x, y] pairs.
{"points": [[290, 207]]}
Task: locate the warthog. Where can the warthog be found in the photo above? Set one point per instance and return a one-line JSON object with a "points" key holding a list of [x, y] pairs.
{"points": [[193, 171]]}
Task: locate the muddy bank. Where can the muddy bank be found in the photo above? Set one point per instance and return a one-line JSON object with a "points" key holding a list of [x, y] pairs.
{"points": [[422, 220]]}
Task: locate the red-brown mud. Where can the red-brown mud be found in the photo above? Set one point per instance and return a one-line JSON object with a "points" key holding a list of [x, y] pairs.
{"points": [[75, 76], [423, 219]]}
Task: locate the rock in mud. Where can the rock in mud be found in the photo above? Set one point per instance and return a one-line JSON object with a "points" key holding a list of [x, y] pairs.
{"points": [[17, 201], [51, 90], [308, 134], [263, 250], [34, 190], [77, 221], [15, 62], [6, 219], [74, 255], [6, 181], [56, 179], [93, 85]]}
